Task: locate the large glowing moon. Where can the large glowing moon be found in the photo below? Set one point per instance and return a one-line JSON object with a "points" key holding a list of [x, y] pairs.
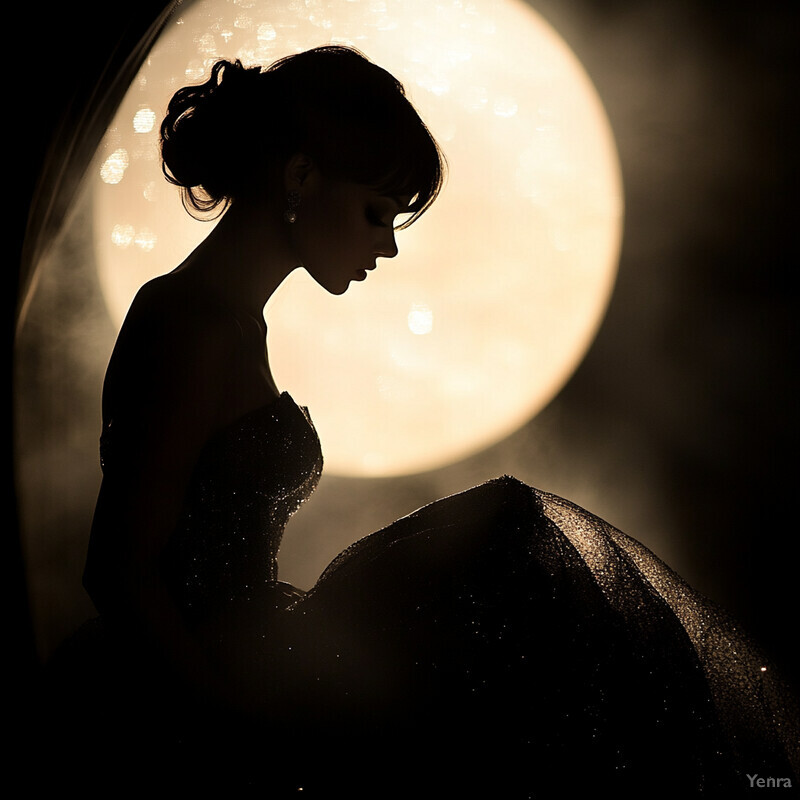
{"points": [[497, 292]]}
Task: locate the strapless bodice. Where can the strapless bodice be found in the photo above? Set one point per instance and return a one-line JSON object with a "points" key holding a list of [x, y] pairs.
{"points": [[249, 480]]}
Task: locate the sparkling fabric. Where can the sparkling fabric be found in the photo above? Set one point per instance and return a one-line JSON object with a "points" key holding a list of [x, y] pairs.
{"points": [[249, 480], [499, 642]]}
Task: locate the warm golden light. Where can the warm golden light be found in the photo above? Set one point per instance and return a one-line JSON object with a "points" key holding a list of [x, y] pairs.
{"points": [[113, 169], [498, 290], [144, 120], [420, 319]]}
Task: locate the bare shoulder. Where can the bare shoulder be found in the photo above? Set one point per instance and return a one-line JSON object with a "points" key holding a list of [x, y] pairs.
{"points": [[177, 340], [180, 310], [171, 318]]}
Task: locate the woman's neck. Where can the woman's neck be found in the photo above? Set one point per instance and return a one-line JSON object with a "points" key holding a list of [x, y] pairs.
{"points": [[246, 257]]}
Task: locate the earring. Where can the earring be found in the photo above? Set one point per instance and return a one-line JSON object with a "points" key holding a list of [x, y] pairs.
{"points": [[292, 202]]}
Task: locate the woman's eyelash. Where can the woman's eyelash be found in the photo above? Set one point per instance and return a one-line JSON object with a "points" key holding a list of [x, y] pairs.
{"points": [[376, 219]]}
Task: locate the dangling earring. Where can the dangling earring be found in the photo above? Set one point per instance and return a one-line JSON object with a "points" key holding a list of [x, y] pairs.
{"points": [[292, 202]]}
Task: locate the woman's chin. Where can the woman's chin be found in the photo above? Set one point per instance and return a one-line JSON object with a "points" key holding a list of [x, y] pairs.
{"points": [[334, 285], [338, 289], [341, 287]]}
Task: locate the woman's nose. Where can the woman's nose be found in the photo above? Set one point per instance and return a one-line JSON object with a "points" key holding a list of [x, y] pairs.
{"points": [[387, 247]]}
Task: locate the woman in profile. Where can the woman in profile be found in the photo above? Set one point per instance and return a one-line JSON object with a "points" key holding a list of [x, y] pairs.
{"points": [[499, 642]]}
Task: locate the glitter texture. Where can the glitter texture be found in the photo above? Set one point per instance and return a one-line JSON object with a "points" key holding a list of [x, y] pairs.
{"points": [[506, 623]]}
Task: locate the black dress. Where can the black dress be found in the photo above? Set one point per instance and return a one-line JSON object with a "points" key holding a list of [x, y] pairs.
{"points": [[501, 642]]}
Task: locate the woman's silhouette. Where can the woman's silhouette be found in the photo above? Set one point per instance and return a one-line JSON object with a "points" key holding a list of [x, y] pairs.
{"points": [[500, 640]]}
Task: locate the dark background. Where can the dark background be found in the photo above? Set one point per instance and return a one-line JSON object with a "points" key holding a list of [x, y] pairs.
{"points": [[680, 425]]}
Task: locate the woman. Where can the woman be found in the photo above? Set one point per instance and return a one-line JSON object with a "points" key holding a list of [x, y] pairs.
{"points": [[489, 642]]}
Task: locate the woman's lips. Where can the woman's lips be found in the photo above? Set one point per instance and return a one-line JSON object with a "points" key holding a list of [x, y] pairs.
{"points": [[362, 273]]}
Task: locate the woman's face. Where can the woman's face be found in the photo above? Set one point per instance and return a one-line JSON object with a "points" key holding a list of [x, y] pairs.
{"points": [[342, 228]]}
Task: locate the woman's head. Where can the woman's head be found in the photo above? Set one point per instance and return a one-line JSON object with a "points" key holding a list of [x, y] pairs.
{"points": [[230, 137]]}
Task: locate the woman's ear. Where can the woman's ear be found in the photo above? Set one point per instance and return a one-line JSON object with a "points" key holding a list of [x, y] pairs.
{"points": [[298, 168]]}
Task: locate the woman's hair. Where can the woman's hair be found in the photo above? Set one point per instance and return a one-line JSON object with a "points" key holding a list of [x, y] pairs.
{"points": [[223, 139]]}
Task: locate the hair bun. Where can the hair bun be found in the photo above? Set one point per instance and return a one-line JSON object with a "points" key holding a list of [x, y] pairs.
{"points": [[201, 135]]}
